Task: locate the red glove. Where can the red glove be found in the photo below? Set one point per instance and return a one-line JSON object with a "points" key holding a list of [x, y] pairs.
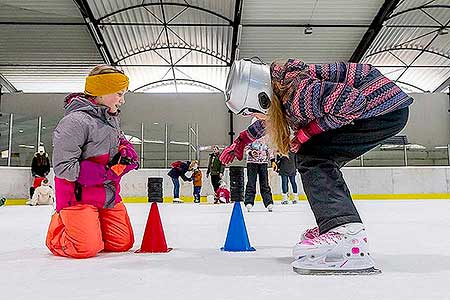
{"points": [[303, 135], [237, 148]]}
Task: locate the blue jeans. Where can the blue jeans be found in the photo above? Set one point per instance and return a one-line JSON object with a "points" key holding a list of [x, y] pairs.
{"points": [[284, 184], [197, 190], [176, 187]]}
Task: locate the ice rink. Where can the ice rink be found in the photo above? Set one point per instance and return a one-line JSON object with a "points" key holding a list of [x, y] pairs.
{"points": [[410, 242]]}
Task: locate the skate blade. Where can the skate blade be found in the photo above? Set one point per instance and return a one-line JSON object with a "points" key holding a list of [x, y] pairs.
{"points": [[368, 271]]}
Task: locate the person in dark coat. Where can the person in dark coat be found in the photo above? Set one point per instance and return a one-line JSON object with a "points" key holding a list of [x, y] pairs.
{"points": [[40, 167], [215, 168], [286, 168]]}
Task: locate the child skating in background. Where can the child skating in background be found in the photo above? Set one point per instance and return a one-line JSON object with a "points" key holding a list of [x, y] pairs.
{"points": [[337, 112], [197, 182], [222, 193], [43, 195], [258, 157]]}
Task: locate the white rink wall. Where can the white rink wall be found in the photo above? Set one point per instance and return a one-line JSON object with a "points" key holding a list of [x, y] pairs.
{"points": [[15, 182]]}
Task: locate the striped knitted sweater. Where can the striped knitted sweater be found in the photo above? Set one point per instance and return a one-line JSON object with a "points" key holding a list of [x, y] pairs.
{"points": [[318, 98]]}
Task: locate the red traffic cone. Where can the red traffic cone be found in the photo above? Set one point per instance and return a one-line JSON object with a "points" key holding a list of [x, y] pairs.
{"points": [[154, 240]]}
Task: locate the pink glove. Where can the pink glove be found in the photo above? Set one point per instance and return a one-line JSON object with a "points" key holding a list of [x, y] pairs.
{"points": [[126, 149], [236, 149], [299, 138], [303, 135], [92, 173]]}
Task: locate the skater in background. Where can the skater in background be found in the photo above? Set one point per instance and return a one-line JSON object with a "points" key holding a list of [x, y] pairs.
{"points": [[286, 168], [197, 182], [90, 156], [215, 168], [40, 167], [222, 193], [336, 112], [179, 169], [43, 195], [258, 157]]}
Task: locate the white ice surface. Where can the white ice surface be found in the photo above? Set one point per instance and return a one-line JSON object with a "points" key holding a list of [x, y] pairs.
{"points": [[410, 242]]}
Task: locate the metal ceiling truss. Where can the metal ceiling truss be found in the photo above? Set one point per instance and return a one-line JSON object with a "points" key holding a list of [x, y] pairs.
{"points": [[413, 67], [172, 66], [55, 66], [412, 85], [421, 8], [7, 85], [227, 64], [185, 5], [424, 50], [235, 42], [180, 81], [95, 31], [165, 25], [385, 14], [375, 27]]}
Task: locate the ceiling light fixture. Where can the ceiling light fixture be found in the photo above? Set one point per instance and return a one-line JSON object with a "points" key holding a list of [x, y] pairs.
{"points": [[308, 30]]}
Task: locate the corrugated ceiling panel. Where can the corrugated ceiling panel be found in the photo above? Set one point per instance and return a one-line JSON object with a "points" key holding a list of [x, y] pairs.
{"points": [[310, 11], [39, 11], [323, 45], [47, 45], [31, 56], [47, 79]]}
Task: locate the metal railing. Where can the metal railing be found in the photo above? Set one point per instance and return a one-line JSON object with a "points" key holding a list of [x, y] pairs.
{"points": [[159, 144]]}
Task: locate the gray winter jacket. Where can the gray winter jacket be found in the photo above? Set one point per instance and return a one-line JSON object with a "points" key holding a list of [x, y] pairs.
{"points": [[86, 132]]}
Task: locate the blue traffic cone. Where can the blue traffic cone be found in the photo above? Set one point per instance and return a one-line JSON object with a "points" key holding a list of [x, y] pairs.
{"points": [[237, 237]]}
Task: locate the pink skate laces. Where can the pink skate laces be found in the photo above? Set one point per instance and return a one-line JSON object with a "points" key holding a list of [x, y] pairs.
{"points": [[331, 237], [311, 233]]}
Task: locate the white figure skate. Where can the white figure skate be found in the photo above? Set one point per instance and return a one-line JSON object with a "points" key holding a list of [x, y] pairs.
{"points": [[284, 199], [342, 250], [295, 201]]}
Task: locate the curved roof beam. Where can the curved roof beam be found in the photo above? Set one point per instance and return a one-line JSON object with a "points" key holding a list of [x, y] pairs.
{"points": [[410, 49], [8, 85], [171, 47], [412, 85], [178, 80], [416, 8], [375, 27], [169, 4]]}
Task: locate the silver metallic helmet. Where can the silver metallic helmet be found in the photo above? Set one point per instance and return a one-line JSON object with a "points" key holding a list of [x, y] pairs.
{"points": [[248, 89]]}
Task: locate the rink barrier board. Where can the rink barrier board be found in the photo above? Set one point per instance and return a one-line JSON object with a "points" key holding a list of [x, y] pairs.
{"points": [[190, 199]]}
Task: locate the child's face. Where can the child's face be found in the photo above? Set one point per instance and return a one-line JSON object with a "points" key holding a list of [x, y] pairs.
{"points": [[113, 101], [259, 116]]}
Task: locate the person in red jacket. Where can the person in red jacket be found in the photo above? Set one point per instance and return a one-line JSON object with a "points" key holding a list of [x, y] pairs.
{"points": [[328, 115], [222, 193]]}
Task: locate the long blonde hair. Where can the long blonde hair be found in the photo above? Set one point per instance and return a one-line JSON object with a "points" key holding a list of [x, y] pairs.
{"points": [[277, 125]]}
